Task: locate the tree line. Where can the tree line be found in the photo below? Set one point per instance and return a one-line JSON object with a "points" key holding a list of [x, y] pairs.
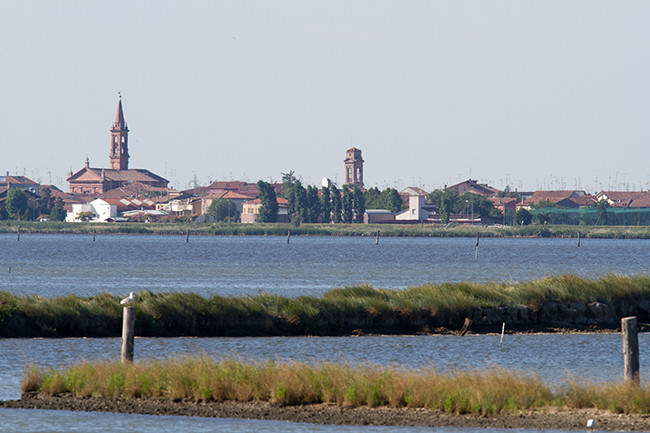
{"points": [[327, 205], [18, 205]]}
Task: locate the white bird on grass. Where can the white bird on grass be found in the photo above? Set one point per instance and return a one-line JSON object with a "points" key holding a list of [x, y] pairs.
{"points": [[128, 299]]}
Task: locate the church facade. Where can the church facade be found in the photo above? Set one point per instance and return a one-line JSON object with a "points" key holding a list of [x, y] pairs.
{"points": [[94, 181]]}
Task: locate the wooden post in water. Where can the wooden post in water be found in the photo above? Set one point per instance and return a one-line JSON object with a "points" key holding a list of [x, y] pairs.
{"points": [[93, 235], [476, 250], [578, 238], [187, 237], [128, 334], [288, 236], [377, 241], [18, 238], [630, 349]]}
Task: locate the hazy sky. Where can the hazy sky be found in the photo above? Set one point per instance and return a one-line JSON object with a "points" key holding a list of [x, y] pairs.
{"points": [[534, 94]]}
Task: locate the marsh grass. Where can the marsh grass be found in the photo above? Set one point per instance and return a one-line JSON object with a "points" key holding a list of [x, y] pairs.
{"points": [[294, 383], [337, 312], [203, 379]]}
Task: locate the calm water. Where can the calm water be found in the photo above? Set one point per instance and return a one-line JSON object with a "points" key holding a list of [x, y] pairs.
{"points": [[54, 265]]}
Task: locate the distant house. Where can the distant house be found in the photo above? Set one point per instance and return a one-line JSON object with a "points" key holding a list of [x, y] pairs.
{"points": [[625, 199], [238, 198], [418, 210], [20, 182], [108, 209], [471, 186], [505, 203], [411, 191], [251, 210], [559, 198]]}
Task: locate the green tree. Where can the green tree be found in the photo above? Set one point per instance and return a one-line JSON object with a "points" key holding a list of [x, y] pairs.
{"points": [[478, 205], [543, 217], [288, 181], [359, 204], [337, 206], [313, 204], [224, 209], [447, 201], [3, 212], [523, 216], [45, 201], [347, 205], [85, 216], [58, 213], [601, 211], [268, 212], [297, 207], [391, 200], [372, 197], [16, 204], [325, 205]]}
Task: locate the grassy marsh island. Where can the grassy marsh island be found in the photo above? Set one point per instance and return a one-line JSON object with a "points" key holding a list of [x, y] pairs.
{"points": [[392, 230], [335, 394], [559, 302]]}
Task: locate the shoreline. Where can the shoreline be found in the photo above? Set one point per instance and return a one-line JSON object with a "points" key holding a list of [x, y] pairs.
{"points": [[550, 418], [326, 230]]}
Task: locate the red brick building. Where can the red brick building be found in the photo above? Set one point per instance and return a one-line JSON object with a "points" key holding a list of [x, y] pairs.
{"points": [[93, 181]]}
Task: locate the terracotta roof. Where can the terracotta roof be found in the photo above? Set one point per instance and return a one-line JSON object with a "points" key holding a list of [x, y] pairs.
{"points": [[109, 174], [554, 196], [633, 199], [585, 200]]}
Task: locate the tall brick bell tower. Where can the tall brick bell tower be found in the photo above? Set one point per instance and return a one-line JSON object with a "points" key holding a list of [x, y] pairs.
{"points": [[119, 152], [353, 167]]}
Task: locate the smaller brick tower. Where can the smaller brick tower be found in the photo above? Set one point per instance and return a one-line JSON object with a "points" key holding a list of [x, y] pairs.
{"points": [[119, 152], [353, 167]]}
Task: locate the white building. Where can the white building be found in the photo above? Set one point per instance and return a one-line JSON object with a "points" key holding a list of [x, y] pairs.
{"points": [[418, 210], [101, 209]]}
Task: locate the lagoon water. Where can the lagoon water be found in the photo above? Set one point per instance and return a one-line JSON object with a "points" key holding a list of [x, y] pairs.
{"points": [[55, 265]]}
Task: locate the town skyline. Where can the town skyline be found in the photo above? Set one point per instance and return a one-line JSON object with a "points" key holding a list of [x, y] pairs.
{"points": [[433, 93]]}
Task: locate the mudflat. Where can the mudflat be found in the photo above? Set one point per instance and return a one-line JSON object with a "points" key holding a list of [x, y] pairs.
{"points": [[541, 419]]}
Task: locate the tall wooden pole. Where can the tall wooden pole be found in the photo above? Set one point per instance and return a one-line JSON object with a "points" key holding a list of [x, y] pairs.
{"points": [[187, 237], [288, 236], [128, 334], [630, 349], [18, 238], [93, 235], [377, 241], [476, 250], [578, 239]]}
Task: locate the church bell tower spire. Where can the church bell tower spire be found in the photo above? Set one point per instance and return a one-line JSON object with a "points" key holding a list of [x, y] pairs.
{"points": [[119, 150]]}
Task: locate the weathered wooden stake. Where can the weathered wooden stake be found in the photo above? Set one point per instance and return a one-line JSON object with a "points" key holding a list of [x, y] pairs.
{"points": [[9, 269], [476, 250], [128, 334], [503, 330], [630, 349], [578, 239], [18, 238], [288, 236], [93, 235], [187, 236], [377, 240]]}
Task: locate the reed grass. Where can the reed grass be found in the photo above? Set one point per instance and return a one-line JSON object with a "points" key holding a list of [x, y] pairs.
{"points": [[203, 379], [339, 311]]}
